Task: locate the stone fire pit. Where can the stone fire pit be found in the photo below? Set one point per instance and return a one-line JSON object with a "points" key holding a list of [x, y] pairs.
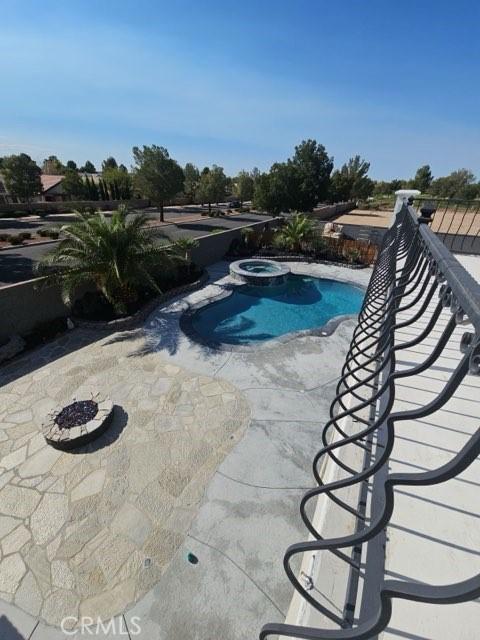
{"points": [[78, 423]]}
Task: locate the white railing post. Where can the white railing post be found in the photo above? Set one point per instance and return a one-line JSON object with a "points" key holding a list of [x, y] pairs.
{"points": [[403, 196]]}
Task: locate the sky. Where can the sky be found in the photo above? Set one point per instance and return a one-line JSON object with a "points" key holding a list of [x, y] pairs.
{"points": [[239, 84]]}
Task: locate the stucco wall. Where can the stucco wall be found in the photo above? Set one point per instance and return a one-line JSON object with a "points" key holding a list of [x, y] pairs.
{"points": [[331, 210], [213, 247], [23, 305]]}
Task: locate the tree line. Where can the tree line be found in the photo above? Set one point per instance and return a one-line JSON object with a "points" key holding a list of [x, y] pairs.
{"points": [[298, 184], [459, 184]]}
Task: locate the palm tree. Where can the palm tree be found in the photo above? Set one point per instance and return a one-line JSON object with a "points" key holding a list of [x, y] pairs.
{"points": [[298, 230], [184, 248], [117, 255]]}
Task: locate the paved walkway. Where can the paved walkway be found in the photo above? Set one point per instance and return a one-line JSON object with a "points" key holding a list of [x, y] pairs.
{"points": [[94, 533]]}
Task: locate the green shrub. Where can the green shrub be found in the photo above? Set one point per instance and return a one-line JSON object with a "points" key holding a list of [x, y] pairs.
{"points": [[318, 244], [16, 239], [43, 233], [86, 208], [352, 256], [53, 233], [4, 237], [279, 242], [26, 235]]}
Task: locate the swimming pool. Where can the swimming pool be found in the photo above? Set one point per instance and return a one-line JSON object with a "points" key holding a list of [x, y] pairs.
{"points": [[252, 314]]}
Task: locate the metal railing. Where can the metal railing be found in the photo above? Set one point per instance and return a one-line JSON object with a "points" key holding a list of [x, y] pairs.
{"points": [[456, 222], [413, 267]]}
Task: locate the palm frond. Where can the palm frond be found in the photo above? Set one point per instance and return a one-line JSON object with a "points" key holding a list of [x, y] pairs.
{"points": [[115, 254]]}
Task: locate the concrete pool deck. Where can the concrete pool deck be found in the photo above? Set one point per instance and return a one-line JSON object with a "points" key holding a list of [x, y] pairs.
{"points": [[227, 491]]}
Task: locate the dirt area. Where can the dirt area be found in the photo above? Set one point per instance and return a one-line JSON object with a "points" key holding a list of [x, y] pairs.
{"points": [[363, 217]]}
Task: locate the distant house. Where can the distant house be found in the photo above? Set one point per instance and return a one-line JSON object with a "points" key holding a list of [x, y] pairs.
{"points": [[52, 190]]}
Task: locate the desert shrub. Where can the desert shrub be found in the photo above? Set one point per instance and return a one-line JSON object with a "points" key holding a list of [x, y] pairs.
{"points": [[16, 239], [26, 235], [4, 237]]}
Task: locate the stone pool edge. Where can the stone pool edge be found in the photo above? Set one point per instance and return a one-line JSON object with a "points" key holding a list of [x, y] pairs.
{"points": [[325, 330]]}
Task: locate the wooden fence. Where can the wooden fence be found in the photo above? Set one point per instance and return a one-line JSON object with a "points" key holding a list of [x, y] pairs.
{"points": [[355, 251]]}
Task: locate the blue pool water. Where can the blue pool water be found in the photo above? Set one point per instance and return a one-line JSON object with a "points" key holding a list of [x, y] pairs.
{"points": [[259, 267], [258, 313]]}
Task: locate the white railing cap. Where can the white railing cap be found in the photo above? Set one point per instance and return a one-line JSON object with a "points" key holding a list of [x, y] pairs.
{"points": [[407, 193]]}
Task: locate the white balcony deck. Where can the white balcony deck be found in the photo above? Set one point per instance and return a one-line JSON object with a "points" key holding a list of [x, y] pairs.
{"points": [[434, 533]]}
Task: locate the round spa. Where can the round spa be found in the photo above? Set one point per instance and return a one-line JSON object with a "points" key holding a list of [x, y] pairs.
{"points": [[259, 272]]}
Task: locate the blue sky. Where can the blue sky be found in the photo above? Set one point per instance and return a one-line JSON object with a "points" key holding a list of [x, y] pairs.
{"points": [[240, 83]]}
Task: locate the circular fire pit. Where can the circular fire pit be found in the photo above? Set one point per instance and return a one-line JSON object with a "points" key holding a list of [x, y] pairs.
{"points": [[78, 423]]}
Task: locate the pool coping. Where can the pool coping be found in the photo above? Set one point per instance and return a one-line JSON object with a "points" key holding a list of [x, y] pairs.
{"points": [[323, 331], [239, 273]]}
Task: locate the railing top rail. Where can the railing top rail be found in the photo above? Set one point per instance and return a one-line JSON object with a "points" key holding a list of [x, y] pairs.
{"points": [[464, 287], [427, 198]]}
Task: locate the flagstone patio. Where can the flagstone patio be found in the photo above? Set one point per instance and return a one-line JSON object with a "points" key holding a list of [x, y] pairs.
{"points": [[89, 532]]}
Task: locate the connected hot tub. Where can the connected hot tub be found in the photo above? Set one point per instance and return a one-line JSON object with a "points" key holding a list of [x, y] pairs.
{"points": [[259, 272]]}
